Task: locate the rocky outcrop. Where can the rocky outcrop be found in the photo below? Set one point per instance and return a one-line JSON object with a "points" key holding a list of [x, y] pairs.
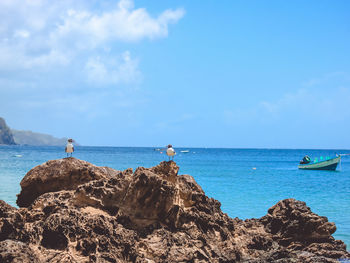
{"points": [[96, 214], [56, 175], [6, 136]]}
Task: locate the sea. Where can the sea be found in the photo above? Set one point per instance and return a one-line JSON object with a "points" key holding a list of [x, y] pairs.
{"points": [[247, 182]]}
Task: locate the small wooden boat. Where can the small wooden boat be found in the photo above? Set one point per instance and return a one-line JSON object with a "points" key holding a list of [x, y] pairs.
{"points": [[330, 164]]}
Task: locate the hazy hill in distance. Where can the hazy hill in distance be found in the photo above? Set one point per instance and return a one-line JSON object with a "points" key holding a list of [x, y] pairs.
{"points": [[38, 139]]}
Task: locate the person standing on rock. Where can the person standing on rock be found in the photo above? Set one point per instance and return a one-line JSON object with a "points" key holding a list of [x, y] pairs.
{"points": [[170, 152], [69, 147]]}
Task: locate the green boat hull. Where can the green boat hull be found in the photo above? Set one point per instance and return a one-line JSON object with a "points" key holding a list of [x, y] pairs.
{"points": [[330, 165]]}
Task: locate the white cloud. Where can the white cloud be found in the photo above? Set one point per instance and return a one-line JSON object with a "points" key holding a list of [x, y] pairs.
{"points": [[123, 23], [318, 105], [17, 59], [325, 98], [318, 100], [333, 78], [71, 60], [40, 35], [107, 71], [22, 33]]}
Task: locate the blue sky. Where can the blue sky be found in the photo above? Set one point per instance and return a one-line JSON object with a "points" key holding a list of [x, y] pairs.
{"points": [[271, 74]]}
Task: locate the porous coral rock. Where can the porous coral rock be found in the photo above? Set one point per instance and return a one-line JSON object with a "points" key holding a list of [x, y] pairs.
{"points": [[151, 215]]}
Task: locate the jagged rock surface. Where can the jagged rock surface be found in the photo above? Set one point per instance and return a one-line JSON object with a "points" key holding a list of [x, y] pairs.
{"points": [[56, 175], [152, 215]]}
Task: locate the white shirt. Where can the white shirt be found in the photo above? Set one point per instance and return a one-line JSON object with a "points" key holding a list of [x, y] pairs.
{"points": [[170, 152], [69, 148]]}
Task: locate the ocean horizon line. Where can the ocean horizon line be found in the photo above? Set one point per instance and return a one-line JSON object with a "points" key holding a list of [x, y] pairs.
{"points": [[184, 147]]}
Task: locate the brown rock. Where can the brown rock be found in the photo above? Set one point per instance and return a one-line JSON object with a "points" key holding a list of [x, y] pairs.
{"points": [[16, 252], [153, 215], [55, 175], [293, 220]]}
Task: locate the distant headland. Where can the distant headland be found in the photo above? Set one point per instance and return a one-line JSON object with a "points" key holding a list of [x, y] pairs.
{"points": [[37, 139], [6, 136], [10, 136]]}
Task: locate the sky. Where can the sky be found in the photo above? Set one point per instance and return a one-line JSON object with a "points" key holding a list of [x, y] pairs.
{"points": [[193, 73]]}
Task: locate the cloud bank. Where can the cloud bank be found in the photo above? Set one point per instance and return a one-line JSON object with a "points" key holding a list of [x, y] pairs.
{"points": [[69, 62], [43, 36]]}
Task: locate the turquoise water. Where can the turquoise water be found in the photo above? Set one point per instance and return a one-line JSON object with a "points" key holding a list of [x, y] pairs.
{"points": [[224, 174]]}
